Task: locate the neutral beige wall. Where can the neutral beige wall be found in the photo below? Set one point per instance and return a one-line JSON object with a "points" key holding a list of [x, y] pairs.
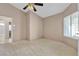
{"points": [[53, 27], [36, 26], [28, 26], [19, 19]]}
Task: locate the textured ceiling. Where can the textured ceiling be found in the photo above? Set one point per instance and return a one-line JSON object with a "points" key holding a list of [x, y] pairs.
{"points": [[47, 10]]}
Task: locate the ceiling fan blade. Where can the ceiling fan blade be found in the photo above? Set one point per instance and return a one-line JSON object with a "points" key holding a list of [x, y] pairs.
{"points": [[25, 7], [38, 4], [34, 9]]}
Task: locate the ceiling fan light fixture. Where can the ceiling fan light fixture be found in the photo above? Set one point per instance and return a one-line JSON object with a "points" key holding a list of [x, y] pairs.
{"points": [[30, 6]]}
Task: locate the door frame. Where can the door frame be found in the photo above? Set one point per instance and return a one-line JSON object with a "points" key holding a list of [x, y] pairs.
{"points": [[8, 19]]}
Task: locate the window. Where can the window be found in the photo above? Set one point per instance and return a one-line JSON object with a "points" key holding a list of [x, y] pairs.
{"points": [[71, 26]]}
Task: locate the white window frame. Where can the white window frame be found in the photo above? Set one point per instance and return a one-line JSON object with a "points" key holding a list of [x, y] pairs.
{"points": [[70, 35]]}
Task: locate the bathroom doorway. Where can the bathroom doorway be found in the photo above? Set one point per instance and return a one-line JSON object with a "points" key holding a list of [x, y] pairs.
{"points": [[6, 32]]}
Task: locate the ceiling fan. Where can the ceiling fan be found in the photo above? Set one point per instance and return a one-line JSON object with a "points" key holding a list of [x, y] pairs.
{"points": [[32, 6]]}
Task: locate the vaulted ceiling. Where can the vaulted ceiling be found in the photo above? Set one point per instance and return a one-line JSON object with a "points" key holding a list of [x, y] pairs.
{"points": [[48, 9]]}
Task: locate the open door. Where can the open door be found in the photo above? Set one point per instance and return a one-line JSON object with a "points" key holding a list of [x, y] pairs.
{"points": [[6, 32]]}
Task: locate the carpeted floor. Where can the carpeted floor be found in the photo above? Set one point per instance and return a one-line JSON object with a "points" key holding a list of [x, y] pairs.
{"points": [[39, 47]]}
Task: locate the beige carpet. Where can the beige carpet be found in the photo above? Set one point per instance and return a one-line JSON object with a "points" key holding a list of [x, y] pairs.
{"points": [[39, 47]]}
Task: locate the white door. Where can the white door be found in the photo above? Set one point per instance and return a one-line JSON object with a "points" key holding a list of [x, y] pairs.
{"points": [[2, 31]]}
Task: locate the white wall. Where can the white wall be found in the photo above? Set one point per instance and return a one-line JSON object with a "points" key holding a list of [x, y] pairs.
{"points": [[36, 26], [53, 27], [28, 26]]}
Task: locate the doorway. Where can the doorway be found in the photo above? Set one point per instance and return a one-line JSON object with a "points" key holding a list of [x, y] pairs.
{"points": [[6, 32]]}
